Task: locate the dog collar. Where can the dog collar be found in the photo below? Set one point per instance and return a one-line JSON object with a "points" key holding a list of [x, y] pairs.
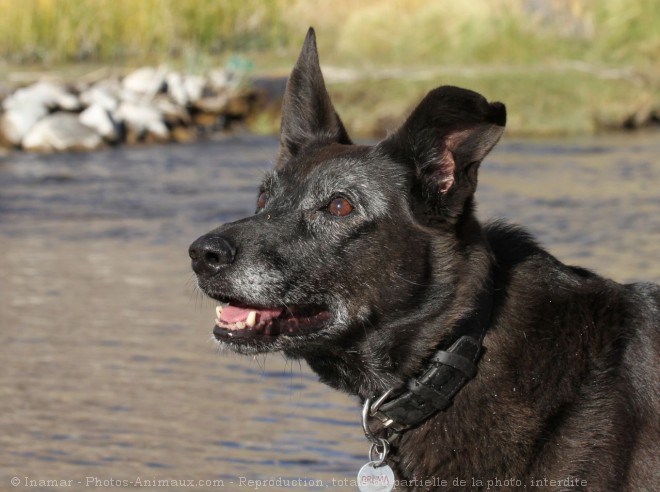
{"points": [[448, 371]]}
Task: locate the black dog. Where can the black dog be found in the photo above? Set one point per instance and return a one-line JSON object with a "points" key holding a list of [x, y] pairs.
{"points": [[497, 361]]}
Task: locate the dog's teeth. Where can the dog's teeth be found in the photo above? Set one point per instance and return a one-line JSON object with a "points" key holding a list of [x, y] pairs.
{"points": [[218, 311], [240, 325], [251, 319]]}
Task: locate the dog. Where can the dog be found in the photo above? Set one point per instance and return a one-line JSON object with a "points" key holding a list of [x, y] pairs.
{"points": [[489, 359]]}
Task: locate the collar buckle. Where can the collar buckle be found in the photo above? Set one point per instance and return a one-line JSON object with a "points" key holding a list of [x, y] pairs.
{"points": [[387, 422], [433, 391]]}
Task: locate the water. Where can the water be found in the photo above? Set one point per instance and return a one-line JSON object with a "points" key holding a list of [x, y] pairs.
{"points": [[108, 366]]}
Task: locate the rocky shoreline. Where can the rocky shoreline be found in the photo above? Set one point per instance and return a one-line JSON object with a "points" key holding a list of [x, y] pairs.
{"points": [[158, 105], [150, 104]]}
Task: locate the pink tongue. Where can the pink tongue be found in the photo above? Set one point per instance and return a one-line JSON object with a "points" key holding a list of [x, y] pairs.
{"points": [[233, 314]]}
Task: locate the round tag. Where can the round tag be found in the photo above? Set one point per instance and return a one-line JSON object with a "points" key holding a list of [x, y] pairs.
{"points": [[375, 479]]}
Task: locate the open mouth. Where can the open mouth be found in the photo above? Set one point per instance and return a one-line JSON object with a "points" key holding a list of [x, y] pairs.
{"points": [[238, 323]]}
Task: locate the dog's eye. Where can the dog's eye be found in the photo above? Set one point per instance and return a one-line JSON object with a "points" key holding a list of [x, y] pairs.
{"points": [[261, 200], [340, 207]]}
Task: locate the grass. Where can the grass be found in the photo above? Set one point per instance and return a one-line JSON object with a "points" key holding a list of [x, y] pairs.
{"points": [[562, 66], [61, 31], [538, 103]]}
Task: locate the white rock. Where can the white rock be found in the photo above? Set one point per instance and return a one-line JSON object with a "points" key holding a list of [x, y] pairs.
{"points": [[145, 81], [111, 85], [219, 79], [68, 102], [16, 122], [131, 97], [61, 131], [213, 104], [141, 117], [194, 85], [171, 111], [185, 89], [159, 129], [98, 118], [176, 89], [48, 94], [99, 96]]}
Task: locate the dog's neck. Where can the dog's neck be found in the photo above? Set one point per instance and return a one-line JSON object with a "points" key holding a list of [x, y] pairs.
{"points": [[445, 374], [374, 364]]}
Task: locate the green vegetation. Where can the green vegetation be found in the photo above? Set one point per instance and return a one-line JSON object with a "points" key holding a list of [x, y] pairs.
{"points": [[562, 66], [538, 103], [129, 31]]}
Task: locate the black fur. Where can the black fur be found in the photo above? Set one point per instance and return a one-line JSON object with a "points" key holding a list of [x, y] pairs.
{"points": [[567, 388]]}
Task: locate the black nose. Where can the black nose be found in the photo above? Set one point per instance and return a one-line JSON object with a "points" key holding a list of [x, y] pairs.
{"points": [[210, 253]]}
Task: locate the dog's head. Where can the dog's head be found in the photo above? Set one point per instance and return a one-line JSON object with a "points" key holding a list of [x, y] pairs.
{"points": [[349, 241]]}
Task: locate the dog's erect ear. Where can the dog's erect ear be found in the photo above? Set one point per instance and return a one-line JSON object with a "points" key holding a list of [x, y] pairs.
{"points": [[307, 112], [444, 139]]}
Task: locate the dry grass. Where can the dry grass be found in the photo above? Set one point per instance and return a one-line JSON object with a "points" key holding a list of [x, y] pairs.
{"points": [[385, 31], [560, 64]]}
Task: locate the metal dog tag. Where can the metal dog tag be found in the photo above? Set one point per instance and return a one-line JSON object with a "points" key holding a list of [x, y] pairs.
{"points": [[375, 479]]}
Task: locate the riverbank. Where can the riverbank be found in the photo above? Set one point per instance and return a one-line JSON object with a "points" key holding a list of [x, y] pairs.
{"points": [[147, 105], [567, 98], [84, 108], [563, 67]]}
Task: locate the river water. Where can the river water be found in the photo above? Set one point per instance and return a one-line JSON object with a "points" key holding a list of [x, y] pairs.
{"points": [[109, 372]]}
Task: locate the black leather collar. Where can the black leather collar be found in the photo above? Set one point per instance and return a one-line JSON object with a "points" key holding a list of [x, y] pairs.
{"points": [[449, 370]]}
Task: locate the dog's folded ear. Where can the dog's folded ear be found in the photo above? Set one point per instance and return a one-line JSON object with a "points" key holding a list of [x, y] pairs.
{"points": [[308, 115], [444, 140]]}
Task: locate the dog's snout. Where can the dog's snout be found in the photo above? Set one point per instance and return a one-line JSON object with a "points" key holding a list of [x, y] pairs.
{"points": [[210, 253]]}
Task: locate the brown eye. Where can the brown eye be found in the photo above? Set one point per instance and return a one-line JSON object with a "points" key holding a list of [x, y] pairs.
{"points": [[340, 207], [261, 200]]}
